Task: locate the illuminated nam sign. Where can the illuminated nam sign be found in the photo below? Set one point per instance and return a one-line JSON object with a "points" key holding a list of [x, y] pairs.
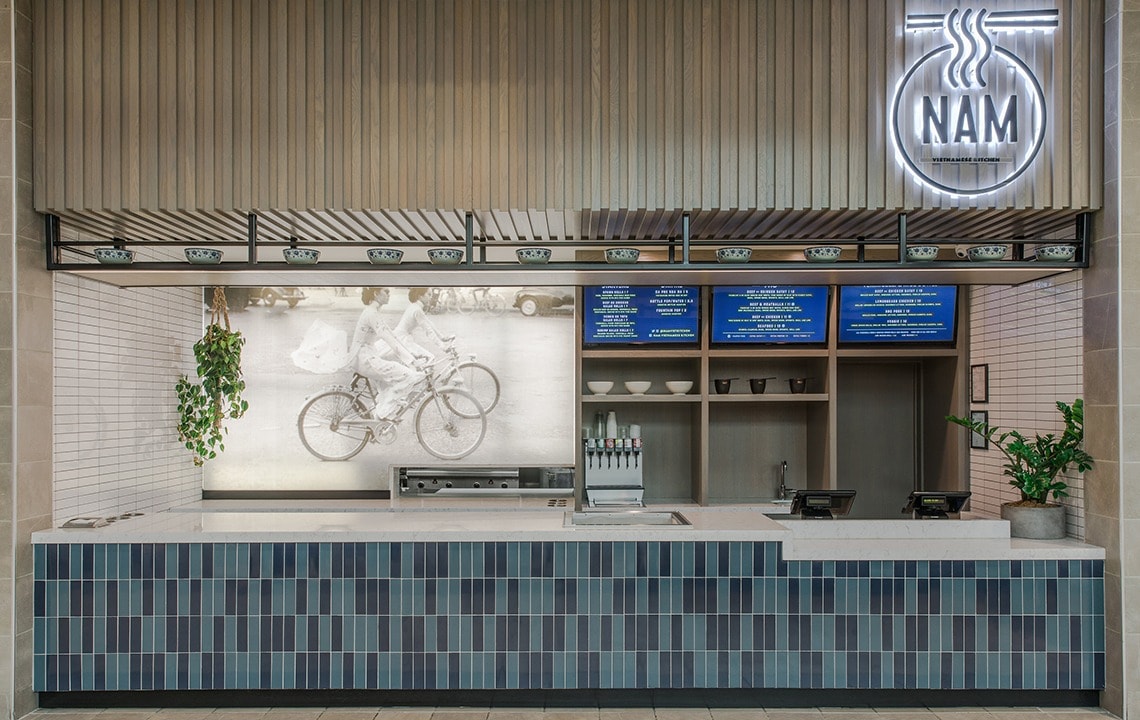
{"points": [[968, 117]]}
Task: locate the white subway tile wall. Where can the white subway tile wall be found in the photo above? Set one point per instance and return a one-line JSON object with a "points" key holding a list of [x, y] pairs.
{"points": [[1030, 336], [118, 354]]}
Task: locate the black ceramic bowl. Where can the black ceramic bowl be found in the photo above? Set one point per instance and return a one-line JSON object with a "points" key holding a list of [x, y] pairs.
{"points": [[798, 385], [757, 385], [723, 385]]}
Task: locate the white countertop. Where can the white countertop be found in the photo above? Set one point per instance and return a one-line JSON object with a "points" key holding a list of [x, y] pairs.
{"points": [[973, 539]]}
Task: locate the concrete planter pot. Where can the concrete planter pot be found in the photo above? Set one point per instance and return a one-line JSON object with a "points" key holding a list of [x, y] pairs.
{"points": [[1038, 523]]}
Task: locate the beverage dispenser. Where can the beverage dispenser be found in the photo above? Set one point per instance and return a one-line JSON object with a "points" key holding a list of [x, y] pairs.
{"points": [[613, 464]]}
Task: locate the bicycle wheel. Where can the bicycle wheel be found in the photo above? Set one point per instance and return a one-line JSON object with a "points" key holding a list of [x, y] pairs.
{"points": [[496, 305], [446, 432], [467, 304], [334, 425], [477, 379]]}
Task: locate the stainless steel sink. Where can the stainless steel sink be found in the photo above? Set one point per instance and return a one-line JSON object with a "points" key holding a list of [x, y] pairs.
{"points": [[626, 518]]}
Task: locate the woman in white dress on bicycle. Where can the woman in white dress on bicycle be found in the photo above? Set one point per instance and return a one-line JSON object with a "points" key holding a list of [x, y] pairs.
{"points": [[380, 355], [416, 317]]}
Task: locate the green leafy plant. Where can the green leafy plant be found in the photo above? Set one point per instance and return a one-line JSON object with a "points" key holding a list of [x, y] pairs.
{"points": [[1033, 465], [203, 405]]}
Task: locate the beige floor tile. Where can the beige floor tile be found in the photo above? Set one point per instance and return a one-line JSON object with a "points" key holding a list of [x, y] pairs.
{"points": [[291, 714], [346, 714], [558, 713], [617, 713], [1075, 714], [68, 715], [738, 714], [896, 713], [683, 713], [963, 714], [459, 714], [998, 709], [130, 713], [792, 713], [854, 710], [404, 714], [516, 715]]}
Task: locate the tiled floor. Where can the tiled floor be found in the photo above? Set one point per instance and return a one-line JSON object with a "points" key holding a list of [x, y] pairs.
{"points": [[564, 713]]}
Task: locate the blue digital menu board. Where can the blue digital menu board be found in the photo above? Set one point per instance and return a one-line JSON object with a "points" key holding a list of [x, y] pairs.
{"points": [[897, 313], [627, 314], [769, 314]]}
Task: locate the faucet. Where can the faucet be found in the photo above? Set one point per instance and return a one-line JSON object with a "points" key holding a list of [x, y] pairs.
{"points": [[782, 492]]}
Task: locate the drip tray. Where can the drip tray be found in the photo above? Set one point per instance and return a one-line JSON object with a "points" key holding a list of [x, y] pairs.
{"points": [[631, 518]]}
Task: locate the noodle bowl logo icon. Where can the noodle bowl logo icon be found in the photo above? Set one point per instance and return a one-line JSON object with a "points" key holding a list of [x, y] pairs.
{"points": [[969, 116]]}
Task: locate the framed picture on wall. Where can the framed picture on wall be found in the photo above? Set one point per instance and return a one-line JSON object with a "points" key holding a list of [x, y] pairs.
{"points": [[979, 383], [977, 440]]}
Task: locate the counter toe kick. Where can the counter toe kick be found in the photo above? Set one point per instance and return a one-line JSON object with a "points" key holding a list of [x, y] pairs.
{"points": [[490, 601]]}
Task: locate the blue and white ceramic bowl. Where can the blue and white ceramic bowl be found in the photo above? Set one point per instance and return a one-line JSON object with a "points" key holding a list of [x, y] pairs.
{"points": [[922, 252], [114, 256], [203, 256], [1056, 253], [445, 256], [734, 255], [824, 253], [533, 255], [622, 255], [301, 256], [385, 256], [981, 253]]}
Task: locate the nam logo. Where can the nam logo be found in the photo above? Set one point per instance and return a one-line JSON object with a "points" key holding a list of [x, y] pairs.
{"points": [[968, 117]]}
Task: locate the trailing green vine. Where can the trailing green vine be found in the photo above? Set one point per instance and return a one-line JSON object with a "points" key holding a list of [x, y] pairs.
{"points": [[202, 406]]}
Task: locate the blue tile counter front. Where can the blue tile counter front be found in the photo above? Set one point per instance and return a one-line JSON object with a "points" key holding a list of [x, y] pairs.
{"points": [[534, 614]]}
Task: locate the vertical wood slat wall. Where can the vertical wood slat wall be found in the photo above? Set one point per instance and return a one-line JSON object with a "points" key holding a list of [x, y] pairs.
{"points": [[310, 104]]}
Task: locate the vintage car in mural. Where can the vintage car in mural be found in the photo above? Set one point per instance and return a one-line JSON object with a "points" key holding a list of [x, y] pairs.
{"points": [[237, 298], [540, 300]]}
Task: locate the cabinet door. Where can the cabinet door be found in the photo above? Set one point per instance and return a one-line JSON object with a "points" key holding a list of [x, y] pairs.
{"points": [[878, 437]]}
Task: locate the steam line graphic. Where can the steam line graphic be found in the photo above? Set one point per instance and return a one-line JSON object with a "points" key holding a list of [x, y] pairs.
{"points": [[969, 33]]}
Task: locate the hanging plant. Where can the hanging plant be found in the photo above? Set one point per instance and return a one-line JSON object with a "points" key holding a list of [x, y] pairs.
{"points": [[202, 406]]}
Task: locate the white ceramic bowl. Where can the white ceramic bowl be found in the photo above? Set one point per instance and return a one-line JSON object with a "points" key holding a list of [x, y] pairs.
{"points": [[622, 255], [445, 256], [600, 387], [733, 254], [114, 256], [824, 253], [679, 387], [637, 387], [1056, 253], [986, 252], [385, 256], [301, 256], [203, 256], [922, 252], [533, 255]]}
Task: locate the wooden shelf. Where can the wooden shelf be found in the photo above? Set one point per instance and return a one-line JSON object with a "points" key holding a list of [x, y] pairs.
{"points": [[895, 352], [767, 352], [769, 397], [687, 398], [640, 353]]}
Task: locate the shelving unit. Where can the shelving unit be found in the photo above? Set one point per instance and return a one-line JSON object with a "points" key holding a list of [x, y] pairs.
{"points": [[712, 448]]}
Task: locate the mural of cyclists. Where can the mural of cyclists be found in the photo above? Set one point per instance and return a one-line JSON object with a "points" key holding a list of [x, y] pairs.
{"points": [[357, 380]]}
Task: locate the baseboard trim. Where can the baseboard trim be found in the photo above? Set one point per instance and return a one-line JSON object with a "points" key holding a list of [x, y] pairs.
{"points": [[698, 697]]}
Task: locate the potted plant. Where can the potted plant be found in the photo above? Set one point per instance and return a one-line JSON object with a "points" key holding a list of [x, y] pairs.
{"points": [[202, 406], [1034, 466]]}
